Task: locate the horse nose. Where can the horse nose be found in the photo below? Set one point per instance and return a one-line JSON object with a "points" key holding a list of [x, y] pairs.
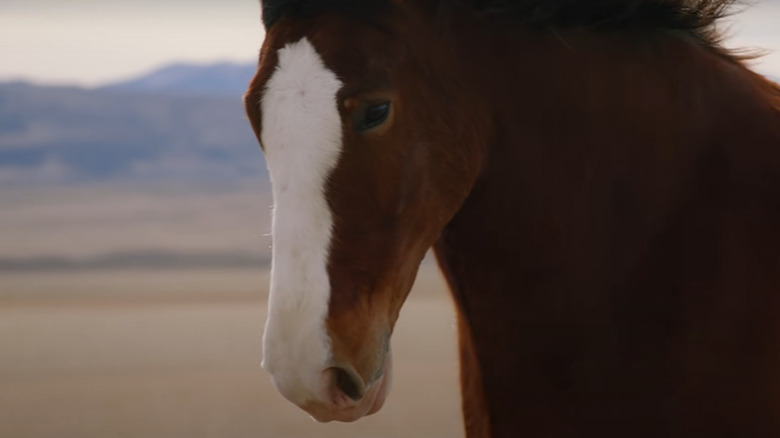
{"points": [[345, 382]]}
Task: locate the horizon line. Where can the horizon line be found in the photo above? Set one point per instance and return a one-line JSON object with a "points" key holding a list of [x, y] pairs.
{"points": [[125, 77]]}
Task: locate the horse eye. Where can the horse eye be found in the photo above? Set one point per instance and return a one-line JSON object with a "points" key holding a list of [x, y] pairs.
{"points": [[374, 116]]}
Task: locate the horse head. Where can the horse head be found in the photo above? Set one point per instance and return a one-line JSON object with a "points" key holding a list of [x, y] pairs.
{"points": [[372, 145]]}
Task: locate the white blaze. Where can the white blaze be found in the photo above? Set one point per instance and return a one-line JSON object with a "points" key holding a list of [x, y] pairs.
{"points": [[301, 136]]}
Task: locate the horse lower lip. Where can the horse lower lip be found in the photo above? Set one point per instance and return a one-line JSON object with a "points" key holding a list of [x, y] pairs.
{"points": [[379, 399], [384, 383]]}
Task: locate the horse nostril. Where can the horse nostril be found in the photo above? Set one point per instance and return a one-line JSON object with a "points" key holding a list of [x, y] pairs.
{"points": [[349, 383]]}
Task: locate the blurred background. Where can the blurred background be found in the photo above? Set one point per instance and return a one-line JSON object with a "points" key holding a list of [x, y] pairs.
{"points": [[134, 212]]}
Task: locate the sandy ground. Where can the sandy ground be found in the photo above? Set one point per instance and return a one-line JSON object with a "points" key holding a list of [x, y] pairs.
{"points": [[176, 354]]}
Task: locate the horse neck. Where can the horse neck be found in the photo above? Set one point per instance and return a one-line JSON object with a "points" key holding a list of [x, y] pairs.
{"points": [[587, 131], [598, 143]]}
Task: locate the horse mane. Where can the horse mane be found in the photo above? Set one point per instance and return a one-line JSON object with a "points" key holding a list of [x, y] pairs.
{"points": [[695, 17], [274, 9]]}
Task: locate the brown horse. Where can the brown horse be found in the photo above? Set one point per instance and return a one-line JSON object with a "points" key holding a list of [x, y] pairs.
{"points": [[600, 181]]}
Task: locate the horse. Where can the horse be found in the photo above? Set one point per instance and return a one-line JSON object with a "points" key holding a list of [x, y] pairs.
{"points": [[599, 182]]}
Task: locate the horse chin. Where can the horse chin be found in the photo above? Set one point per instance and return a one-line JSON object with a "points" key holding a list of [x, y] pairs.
{"points": [[384, 383], [347, 411]]}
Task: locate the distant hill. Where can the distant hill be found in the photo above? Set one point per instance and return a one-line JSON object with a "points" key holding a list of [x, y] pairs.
{"points": [[215, 79], [61, 135]]}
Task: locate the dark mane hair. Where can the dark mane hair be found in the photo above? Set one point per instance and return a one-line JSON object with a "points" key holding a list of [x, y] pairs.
{"points": [[697, 17], [273, 10]]}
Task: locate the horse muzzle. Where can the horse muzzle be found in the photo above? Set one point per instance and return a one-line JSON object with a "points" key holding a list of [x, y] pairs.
{"points": [[339, 393], [347, 398]]}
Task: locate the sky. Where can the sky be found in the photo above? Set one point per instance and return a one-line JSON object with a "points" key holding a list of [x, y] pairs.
{"points": [[94, 42]]}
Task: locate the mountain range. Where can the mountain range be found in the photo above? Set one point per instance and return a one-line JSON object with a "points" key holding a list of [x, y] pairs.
{"points": [[179, 123], [218, 79]]}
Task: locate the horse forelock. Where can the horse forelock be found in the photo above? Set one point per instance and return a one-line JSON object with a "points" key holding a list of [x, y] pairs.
{"points": [[273, 10]]}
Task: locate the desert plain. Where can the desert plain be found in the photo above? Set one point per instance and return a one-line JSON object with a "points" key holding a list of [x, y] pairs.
{"points": [[175, 352]]}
